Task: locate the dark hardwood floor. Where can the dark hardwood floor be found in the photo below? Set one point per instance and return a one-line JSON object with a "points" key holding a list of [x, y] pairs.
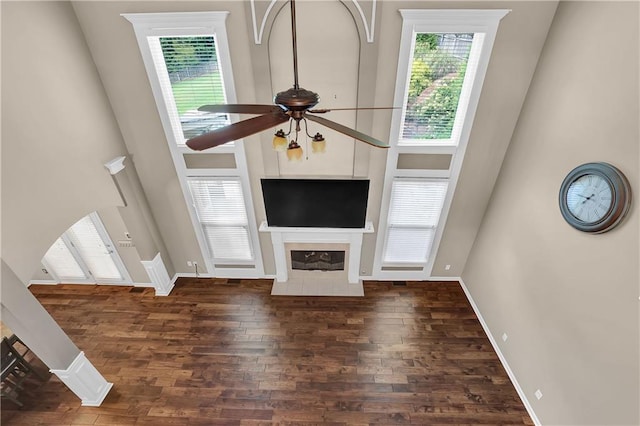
{"points": [[226, 352]]}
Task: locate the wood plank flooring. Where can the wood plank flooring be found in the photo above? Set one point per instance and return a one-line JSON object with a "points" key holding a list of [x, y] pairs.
{"points": [[227, 352]]}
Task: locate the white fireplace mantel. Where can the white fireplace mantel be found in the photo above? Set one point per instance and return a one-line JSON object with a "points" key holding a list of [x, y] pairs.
{"points": [[351, 236]]}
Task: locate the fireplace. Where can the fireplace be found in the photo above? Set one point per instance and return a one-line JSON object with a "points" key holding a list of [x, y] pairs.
{"points": [[314, 281], [317, 260]]}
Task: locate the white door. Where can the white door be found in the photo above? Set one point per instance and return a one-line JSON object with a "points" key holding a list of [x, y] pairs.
{"points": [[85, 254]]}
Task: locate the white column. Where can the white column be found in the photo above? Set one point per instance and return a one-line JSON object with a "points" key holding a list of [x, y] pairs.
{"points": [[159, 276], [85, 381], [280, 257], [355, 250]]}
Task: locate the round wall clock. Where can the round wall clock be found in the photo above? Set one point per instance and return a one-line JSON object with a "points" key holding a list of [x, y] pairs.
{"points": [[595, 197]]}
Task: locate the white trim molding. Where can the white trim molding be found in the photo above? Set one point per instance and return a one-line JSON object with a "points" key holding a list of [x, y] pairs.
{"points": [[368, 23], [369, 27], [258, 33], [85, 381], [501, 356], [116, 165], [160, 279], [351, 236], [43, 282]]}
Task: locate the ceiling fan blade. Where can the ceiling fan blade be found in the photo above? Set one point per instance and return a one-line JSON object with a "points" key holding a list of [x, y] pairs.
{"points": [[347, 131], [241, 109], [325, 110], [236, 131]]}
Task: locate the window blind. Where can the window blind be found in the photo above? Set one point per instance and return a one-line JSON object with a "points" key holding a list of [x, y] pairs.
{"points": [[85, 238], [439, 65], [414, 212], [62, 262], [190, 76], [221, 211]]}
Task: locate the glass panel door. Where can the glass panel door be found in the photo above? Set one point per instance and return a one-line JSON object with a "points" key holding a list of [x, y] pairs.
{"points": [[61, 262], [96, 254], [85, 253]]}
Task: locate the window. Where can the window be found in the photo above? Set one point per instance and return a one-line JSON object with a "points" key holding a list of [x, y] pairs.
{"points": [[414, 213], [186, 56], [190, 76], [187, 60], [219, 204], [442, 62], [438, 68]]}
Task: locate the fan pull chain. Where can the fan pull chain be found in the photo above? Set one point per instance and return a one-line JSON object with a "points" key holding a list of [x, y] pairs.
{"points": [[306, 146]]}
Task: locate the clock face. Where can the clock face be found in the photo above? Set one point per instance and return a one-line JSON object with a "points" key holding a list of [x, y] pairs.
{"points": [[589, 198], [595, 197]]}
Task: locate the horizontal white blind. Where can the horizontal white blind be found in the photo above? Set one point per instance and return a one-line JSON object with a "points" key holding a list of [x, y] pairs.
{"points": [[190, 77], [414, 212], [62, 262], [86, 239], [221, 211], [438, 69]]}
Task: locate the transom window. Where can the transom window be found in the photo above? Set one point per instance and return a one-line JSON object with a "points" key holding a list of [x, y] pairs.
{"points": [[438, 68], [190, 76]]}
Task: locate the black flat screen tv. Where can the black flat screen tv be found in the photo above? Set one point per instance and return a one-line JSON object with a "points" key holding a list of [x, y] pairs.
{"points": [[317, 203]]}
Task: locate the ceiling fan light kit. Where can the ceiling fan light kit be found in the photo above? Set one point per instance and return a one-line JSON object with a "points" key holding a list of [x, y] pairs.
{"points": [[294, 104]]}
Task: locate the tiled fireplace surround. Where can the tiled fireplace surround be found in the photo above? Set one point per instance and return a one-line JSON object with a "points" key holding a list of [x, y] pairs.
{"points": [[317, 283]]}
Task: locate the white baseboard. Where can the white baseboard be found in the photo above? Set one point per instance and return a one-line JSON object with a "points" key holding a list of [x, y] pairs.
{"points": [[189, 275], [207, 275], [54, 282], [501, 356], [452, 279], [43, 282]]}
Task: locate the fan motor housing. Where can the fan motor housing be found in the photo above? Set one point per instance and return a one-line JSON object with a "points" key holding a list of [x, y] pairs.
{"points": [[297, 99]]}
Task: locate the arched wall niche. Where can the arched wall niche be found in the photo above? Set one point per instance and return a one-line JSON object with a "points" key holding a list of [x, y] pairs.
{"points": [[333, 44], [364, 13]]}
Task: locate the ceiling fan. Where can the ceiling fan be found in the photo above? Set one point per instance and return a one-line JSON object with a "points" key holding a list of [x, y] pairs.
{"points": [[292, 105]]}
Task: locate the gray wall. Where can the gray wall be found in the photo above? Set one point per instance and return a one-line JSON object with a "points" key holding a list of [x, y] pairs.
{"points": [[27, 318], [568, 300], [114, 49], [57, 131]]}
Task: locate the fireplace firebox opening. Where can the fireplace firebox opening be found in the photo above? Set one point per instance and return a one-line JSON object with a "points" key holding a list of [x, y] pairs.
{"points": [[317, 260]]}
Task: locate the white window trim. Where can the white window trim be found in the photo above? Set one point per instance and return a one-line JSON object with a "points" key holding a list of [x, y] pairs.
{"points": [[432, 21], [199, 23]]}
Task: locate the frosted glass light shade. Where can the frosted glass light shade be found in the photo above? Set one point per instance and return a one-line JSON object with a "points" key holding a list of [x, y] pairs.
{"points": [[280, 141], [294, 152], [318, 144]]}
